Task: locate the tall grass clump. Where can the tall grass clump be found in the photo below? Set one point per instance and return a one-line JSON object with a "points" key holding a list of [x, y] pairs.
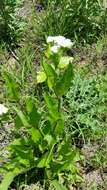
{"points": [[77, 19], [9, 27]]}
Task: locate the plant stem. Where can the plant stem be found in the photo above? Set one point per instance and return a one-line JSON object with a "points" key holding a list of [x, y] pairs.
{"points": [[59, 104]]}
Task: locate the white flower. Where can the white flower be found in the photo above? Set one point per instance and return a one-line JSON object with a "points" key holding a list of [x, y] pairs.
{"points": [[60, 41], [50, 39], [55, 48], [66, 43], [55, 39], [63, 42], [3, 109]]}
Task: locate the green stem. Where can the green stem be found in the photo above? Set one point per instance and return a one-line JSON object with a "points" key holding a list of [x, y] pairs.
{"points": [[59, 104], [59, 110]]}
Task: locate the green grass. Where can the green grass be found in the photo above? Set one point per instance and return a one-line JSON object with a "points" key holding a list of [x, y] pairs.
{"points": [[82, 21], [10, 24], [85, 105]]}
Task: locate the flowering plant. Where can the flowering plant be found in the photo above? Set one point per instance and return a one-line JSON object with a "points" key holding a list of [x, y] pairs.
{"points": [[45, 148], [54, 55]]}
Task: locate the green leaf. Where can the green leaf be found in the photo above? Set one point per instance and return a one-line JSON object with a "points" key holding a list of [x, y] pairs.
{"points": [[50, 140], [41, 77], [58, 186], [45, 160], [18, 122], [51, 103], [34, 116], [12, 86], [46, 127], [22, 117], [59, 127], [50, 73], [16, 142], [64, 82], [42, 161], [35, 134], [29, 104], [52, 107], [8, 179], [49, 70], [50, 82], [23, 154], [64, 61]]}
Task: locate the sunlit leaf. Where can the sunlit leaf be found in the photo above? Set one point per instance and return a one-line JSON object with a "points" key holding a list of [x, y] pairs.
{"points": [[58, 186], [50, 73], [22, 117], [45, 160], [41, 77], [49, 139], [35, 134], [64, 61], [8, 179]]}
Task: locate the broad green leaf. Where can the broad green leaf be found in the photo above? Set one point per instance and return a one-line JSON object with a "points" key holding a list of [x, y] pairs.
{"points": [[45, 160], [35, 134], [24, 162], [61, 165], [12, 86], [42, 161], [58, 186], [34, 116], [18, 122], [22, 153], [48, 52], [50, 82], [49, 139], [55, 59], [63, 148], [22, 117], [16, 142], [51, 103], [41, 77], [29, 104], [59, 127], [52, 107], [50, 73], [8, 179], [49, 70], [64, 82], [64, 61]]}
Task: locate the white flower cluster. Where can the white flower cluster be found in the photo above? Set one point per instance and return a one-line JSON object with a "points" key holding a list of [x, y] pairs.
{"points": [[59, 41], [3, 109]]}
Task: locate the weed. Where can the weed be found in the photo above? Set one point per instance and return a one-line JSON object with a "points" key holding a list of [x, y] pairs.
{"points": [[45, 150]]}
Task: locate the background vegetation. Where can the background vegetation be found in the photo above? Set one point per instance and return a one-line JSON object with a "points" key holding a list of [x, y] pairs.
{"points": [[54, 135]]}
